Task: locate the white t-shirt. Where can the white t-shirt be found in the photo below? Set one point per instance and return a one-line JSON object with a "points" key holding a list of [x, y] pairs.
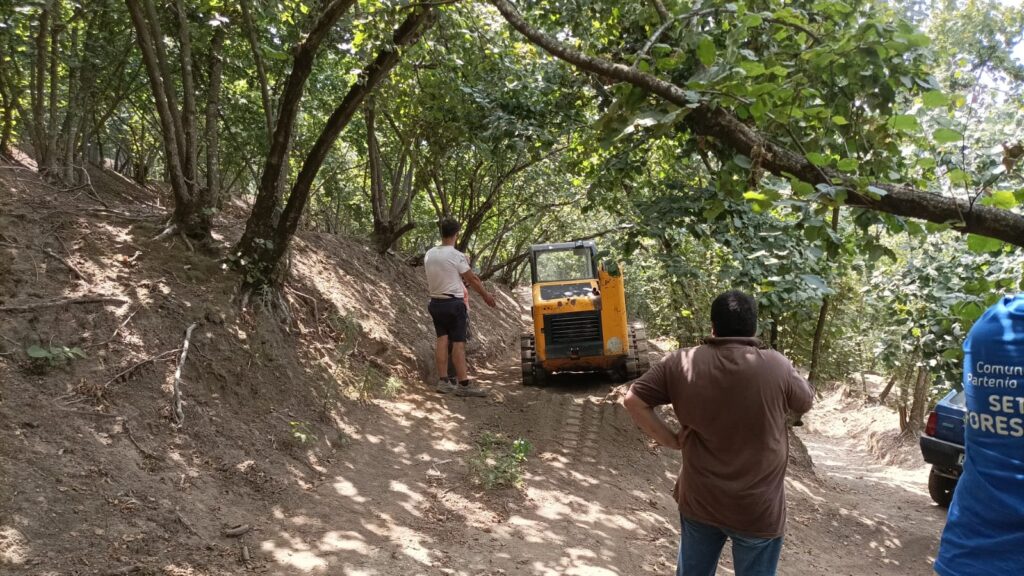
{"points": [[445, 266]]}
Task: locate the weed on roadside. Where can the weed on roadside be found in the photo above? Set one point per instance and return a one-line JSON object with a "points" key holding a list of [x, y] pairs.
{"points": [[44, 358], [499, 461], [371, 383]]}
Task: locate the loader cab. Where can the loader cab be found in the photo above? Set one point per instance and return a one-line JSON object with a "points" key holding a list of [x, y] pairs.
{"points": [[564, 270]]}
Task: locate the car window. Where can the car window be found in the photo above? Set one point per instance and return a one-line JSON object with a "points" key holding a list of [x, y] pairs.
{"points": [[959, 399]]}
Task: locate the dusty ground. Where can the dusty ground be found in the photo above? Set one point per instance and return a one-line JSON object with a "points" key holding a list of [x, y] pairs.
{"points": [[318, 433]]}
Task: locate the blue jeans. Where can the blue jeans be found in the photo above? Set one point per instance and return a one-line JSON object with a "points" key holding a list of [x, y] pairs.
{"points": [[700, 546]]}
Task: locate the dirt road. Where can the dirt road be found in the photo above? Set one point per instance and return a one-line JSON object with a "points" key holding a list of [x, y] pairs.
{"points": [[595, 498]]}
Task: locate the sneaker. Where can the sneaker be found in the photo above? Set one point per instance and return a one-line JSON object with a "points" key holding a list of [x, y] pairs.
{"points": [[445, 386], [469, 390]]}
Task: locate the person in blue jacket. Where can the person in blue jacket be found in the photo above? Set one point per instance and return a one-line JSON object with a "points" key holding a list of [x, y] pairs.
{"points": [[984, 534]]}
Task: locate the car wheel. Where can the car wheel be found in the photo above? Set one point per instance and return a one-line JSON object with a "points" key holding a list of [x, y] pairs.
{"points": [[941, 488]]}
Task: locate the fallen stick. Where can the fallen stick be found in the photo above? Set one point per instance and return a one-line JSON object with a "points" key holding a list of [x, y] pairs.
{"points": [[62, 302], [185, 523], [51, 254], [88, 413], [66, 264], [114, 335], [137, 365], [179, 416], [131, 437], [236, 531]]}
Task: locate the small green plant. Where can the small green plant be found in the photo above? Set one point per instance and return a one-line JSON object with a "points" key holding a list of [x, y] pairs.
{"points": [[301, 432], [498, 462], [371, 383], [52, 355]]}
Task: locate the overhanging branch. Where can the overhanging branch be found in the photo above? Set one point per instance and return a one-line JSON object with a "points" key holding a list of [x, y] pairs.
{"points": [[709, 120]]}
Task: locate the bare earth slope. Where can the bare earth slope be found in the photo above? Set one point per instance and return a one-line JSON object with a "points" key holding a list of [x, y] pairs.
{"points": [[318, 434]]}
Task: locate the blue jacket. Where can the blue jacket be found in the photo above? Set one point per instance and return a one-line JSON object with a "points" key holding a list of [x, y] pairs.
{"points": [[984, 534]]}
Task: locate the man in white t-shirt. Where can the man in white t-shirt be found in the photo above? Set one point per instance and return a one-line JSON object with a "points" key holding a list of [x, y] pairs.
{"points": [[448, 274]]}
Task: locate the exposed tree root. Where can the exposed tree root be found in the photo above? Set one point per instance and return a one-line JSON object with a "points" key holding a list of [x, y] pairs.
{"points": [[179, 415], [169, 231]]}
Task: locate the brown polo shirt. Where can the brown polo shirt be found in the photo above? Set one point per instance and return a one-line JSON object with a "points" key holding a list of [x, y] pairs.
{"points": [[731, 398]]}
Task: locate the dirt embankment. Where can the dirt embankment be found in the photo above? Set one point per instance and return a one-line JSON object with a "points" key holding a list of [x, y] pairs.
{"points": [[317, 434]]}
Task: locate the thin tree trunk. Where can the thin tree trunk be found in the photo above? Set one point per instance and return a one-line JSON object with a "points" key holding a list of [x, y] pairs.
{"points": [[915, 419], [165, 110], [212, 190], [259, 228], [261, 70], [39, 68], [188, 113], [819, 328], [68, 132], [50, 158], [269, 259], [888, 387], [774, 342]]}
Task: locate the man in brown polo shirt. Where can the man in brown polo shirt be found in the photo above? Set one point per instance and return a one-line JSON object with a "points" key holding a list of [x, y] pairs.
{"points": [[732, 398]]}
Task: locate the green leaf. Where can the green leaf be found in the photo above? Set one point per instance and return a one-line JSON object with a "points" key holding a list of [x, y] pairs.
{"points": [[35, 351], [802, 188], [983, 244], [742, 161], [706, 51], [1001, 199], [752, 20], [935, 99], [755, 196], [848, 165], [958, 176], [817, 159], [905, 123], [839, 121], [947, 135], [752, 68]]}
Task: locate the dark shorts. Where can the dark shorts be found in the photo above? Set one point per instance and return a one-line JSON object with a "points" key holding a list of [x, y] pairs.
{"points": [[451, 318]]}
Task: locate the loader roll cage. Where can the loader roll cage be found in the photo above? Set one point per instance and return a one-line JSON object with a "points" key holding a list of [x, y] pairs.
{"points": [[563, 261]]}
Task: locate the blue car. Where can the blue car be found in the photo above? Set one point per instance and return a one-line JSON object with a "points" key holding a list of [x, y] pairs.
{"points": [[942, 446]]}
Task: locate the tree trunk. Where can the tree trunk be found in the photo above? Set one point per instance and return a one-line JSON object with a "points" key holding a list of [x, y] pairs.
{"points": [[888, 387], [774, 341], [915, 420], [68, 131], [390, 197], [267, 258], [819, 328], [259, 228], [261, 70], [709, 120], [39, 68], [212, 190], [191, 214], [188, 114], [50, 158]]}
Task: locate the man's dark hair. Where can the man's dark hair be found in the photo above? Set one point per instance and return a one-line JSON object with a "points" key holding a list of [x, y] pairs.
{"points": [[734, 314], [449, 227]]}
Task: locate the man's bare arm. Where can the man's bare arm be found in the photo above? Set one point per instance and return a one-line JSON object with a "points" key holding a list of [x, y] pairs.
{"points": [[470, 278], [650, 422]]}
